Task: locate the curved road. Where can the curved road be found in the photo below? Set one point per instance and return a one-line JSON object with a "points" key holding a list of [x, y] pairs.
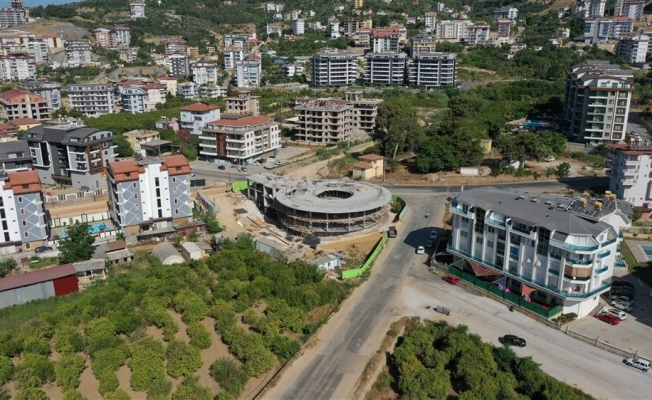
{"points": [[401, 285]]}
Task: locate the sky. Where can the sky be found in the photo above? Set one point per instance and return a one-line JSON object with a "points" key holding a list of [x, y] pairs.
{"points": [[35, 3]]}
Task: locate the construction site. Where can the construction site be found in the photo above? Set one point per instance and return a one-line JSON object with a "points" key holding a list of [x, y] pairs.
{"points": [[321, 208]]}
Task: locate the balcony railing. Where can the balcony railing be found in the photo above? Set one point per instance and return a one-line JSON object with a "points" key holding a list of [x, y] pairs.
{"points": [[495, 222], [609, 242], [535, 284], [580, 248]]}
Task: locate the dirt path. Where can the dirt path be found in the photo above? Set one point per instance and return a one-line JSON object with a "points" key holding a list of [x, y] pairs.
{"points": [[182, 334], [89, 385], [319, 169], [124, 375], [208, 356]]}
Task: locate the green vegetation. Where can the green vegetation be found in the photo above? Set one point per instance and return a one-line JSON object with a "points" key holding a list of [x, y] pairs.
{"points": [[434, 360], [77, 245], [530, 146], [307, 45], [108, 323], [6, 266]]}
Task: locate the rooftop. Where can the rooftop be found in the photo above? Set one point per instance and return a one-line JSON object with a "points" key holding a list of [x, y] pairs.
{"points": [[23, 182], [34, 277], [19, 96], [199, 107], [242, 122]]}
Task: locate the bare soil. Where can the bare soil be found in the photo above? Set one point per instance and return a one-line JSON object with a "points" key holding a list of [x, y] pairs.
{"points": [[356, 247], [88, 384], [154, 332], [49, 27], [52, 391], [124, 375], [208, 356], [182, 334]]}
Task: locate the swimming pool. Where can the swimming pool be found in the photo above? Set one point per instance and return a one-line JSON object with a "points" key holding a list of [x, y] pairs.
{"points": [[92, 228], [648, 251]]}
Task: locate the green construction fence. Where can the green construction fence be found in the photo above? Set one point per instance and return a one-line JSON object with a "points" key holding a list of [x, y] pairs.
{"points": [[511, 297], [402, 207], [354, 273], [239, 186]]}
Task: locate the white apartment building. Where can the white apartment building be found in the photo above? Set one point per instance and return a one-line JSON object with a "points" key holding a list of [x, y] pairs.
{"points": [[334, 68], [92, 99], [385, 68], [430, 21], [38, 48], [634, 48], [634, 9], [597, 102], [240, 140], [594, 8], [150, 193], [133, 99], [187, 90], [630, 166], [548, 250], [78, 53], [478, 34], [17, 67], [156, 94], [137, 9], [423, 44], [334, 28], [204, 72], [248, 73], [298, 27], [23, 222], [506, 13], [195, 116], [231, 56], [600, 30], [453, 29], [237, 40], [382, 42], [433, 70]]}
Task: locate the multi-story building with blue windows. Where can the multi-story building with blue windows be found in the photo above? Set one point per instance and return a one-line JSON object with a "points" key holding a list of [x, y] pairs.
{"points": [[551, 250]]}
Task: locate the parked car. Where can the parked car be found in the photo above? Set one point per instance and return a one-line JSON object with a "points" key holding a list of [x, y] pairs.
{"points": [[641, 364], [622, 288], [622, 283], [623, 291], [221, 167], [549, 159], [429, 243], [621, 298], [617, 313], [453, 280], [512, 340], [608, 318], [433, 235], [622, 305], [42, 249], [420, 250]]}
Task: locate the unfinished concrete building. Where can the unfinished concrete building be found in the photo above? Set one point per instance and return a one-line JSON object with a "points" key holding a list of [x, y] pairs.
{"points": [[323, 208]]}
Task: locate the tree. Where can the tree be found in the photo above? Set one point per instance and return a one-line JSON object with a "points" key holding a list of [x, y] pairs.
{"points": [[147, 356], [68, 369], [68, 340], [31, 394], [123, 148], [119, 394], [6, 266], [6, 369], [77, 245], [192, 307], [38, 366], [183, 359], [563, 170], [199, 335], [229, 375], [73, 395], [191, 389]]}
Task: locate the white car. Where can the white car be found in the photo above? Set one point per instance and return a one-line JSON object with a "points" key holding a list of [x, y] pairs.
{"points": [[641, 364], [433, 235], [622, 305], [420, 250], [617, 313], [549, 159]]}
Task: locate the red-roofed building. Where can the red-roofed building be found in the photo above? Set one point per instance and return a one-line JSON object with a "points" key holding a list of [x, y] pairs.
{"points": [[23, 222], [21, 103], [195, 116], [371, 166], [239, 140], [149, 196], [38, 285]]}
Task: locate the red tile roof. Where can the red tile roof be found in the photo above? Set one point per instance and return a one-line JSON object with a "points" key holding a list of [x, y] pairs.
{"points": [[18, 96], [240, 122], [363, 165], [199, 107], [7, 129], [25, 121], [116, 245], [124, 171], [176, 165], [23, 182], [34, 277]]}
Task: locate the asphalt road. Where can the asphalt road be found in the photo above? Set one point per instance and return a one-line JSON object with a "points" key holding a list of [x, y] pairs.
{"points": [[401, 285]]}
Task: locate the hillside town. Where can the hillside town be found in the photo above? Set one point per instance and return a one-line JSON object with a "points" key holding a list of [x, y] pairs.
{"points": [[273, 201]]}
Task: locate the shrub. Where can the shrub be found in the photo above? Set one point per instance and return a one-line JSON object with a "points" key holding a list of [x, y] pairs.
{"points": [[6, 369], [119, 394], [190, 305], [108, 382], [283, 347], [191, 389], [37, 345], [31, 394], [159, 389], [68, 339], [258, 361], [73, 395], [147, 356], [183, 359], [199, 335], [39, 366], [68, 369], [229, 375]]}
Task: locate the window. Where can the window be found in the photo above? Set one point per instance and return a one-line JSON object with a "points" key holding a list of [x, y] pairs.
{"points": [[20, 199], [464, 234], [174, 180], [176, 201], [513, 252], [134, 184], [24, 223], [490, 244], [491, 229], [478, 240], [136, 196], [22, 211], [26, 234]]}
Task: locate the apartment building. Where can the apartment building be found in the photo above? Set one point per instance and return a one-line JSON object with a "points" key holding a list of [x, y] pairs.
{"points": [[597, 101], [633, 9], [298, 27], [240, 140], [478, 34], [506, 13], [17, 67], [92, 99], [454, 30], [504, 28], [15, 156], [423, 43], [78, 53], [550, 250], [16, 15], [387, 68], [195, 116], [231, 56], [334, 68], [204, 72], [38, 48], [178, 64], [149, 194], [237, 40], [385, 41], [211, 92], [248, 73], [175, 46], [363, 38], [137, 9], [187, 90], [133, 99], [629, 173], [433, 70], [594, 8], [71, 154], [156, 94], [334, 29], [23, 222], [365, 112], [600, 30], [113, 37], [430, 20], [634, 48], [243, 104], [139, 137], [21, 103], [274, 28]]}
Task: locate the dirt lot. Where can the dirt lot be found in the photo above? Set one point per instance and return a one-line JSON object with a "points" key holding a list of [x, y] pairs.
{"points": [[64, 29]]}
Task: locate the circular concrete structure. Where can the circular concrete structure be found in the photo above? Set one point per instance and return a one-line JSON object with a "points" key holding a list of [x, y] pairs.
{"points": [[330, 207]]}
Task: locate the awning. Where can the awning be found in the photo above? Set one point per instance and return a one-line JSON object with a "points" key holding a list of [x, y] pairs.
{"points": [[525, 290], [481, 271]]}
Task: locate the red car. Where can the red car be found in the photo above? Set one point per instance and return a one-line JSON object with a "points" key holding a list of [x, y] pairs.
{"points": [[608, 318], [453, 280]]}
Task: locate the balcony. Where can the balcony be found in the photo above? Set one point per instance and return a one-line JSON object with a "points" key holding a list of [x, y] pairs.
{"points": [[575, 261], [529, 281], [609, 242], [495, 222], [573, 247]]}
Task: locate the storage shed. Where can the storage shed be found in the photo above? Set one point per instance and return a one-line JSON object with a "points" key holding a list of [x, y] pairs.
{"points": [[38, 285], [193, 251], [167, 254], [326, 263]]}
